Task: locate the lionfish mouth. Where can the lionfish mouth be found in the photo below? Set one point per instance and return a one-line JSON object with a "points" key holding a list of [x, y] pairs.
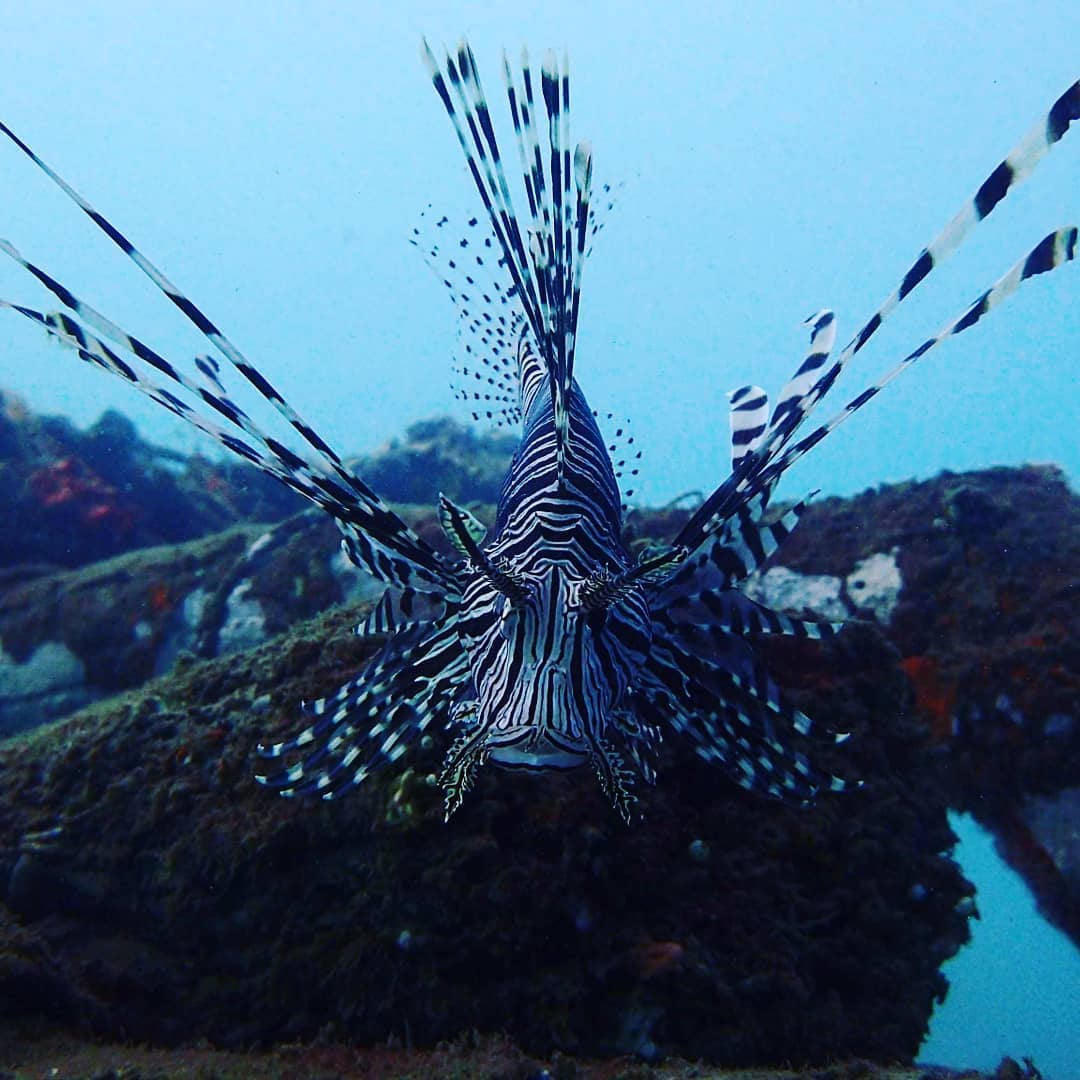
{"points": [[521, 749]]}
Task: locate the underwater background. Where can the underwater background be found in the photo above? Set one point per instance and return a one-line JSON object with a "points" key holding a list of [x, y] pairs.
{"points": [[774, 161]]}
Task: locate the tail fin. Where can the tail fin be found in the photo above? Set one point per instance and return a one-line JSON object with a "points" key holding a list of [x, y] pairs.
{"points": [[546, 267]]}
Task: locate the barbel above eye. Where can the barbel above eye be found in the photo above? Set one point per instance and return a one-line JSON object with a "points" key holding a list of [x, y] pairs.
{"points": [[603, 588], [464, 531]]}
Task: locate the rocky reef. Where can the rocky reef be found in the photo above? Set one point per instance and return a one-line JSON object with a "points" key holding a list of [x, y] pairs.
{"points": [[981, 579], [72, 497], [150, 891]]}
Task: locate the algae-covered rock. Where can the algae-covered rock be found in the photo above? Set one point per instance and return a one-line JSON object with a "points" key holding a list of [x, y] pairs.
{"points": [[73, 636], [178, 900], [988, 627], [149, 889]]}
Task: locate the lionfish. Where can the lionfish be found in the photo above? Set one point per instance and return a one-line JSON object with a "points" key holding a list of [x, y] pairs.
{"points": [[542, 643]]}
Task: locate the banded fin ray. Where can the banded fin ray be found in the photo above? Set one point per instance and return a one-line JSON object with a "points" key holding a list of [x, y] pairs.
{"points": [[740, 545], [373, 717], [754, 735], [375, 536], [452, 518], [794, 402], [547, 270], [1054, 250], [729, 610], [748, 417], [403, 609], [760, 471], [723, 665], [1014, 168], [1010, 172]]}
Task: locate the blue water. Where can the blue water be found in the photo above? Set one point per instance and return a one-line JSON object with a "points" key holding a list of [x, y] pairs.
{"points": [[1016, 987], [779, 158]]}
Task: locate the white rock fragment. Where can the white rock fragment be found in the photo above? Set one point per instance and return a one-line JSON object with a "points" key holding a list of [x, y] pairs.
{"points": [[874, 585], [51, 666], [787, 590], [50, 682], [244, 625], [258, 544], [183, 630], [194, 607]]}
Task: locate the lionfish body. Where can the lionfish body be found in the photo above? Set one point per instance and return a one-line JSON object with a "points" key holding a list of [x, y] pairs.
{"points": [[544, 644]]}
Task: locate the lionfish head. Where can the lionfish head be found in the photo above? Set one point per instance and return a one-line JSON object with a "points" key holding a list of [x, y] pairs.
{"points": [[552, 657]]}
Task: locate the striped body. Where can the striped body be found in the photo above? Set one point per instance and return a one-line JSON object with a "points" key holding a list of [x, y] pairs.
{"points": [[543, 643], [549, 669]]}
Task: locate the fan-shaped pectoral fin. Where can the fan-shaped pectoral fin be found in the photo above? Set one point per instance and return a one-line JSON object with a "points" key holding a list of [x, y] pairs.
{"points": [[467, 753], [616, 778]]}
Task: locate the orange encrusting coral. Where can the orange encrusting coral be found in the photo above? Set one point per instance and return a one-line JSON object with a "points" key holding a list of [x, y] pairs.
{"points": [[935, 699]]}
